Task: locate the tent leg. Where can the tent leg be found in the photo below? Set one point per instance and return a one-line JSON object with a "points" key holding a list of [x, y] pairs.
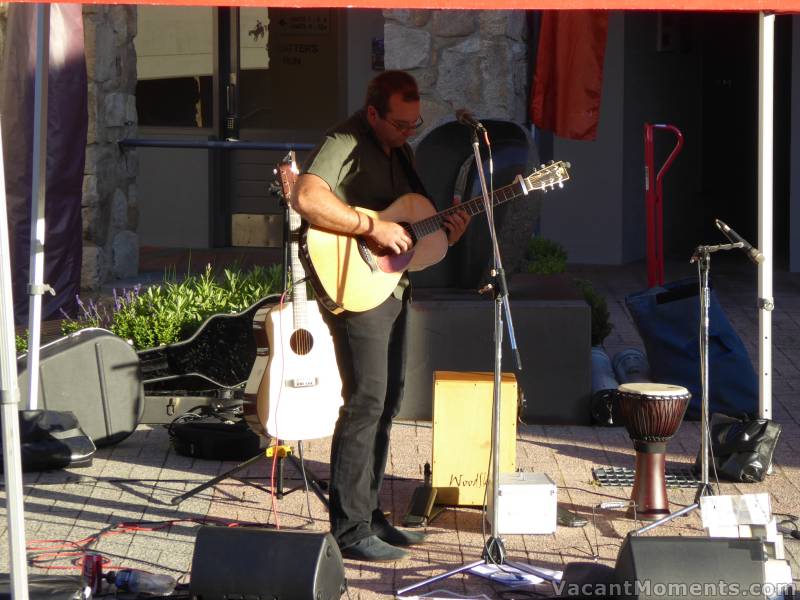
{"points": [[9, 402], [766, 303], [38, 187]]}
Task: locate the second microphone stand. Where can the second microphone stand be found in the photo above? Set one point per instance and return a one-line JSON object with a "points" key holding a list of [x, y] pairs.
{"points": [[702, 256]]}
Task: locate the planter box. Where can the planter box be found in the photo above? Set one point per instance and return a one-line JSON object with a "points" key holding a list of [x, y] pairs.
{"points": [[453, 331]]}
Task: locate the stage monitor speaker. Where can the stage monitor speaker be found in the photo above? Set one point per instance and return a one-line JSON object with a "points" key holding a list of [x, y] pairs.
{"points": [[690, 567], [266, 564]]}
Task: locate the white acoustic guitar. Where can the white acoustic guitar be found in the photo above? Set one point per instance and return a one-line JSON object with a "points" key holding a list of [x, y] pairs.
{"points": [[350, 273], [298, 392]]}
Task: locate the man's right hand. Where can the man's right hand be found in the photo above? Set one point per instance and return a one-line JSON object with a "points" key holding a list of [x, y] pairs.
{"points": [[390, 236]]}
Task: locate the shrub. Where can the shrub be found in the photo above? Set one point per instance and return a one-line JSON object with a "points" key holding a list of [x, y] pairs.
{"points": [[167, 313], [21, 343], [601, 319], [545, 257]]}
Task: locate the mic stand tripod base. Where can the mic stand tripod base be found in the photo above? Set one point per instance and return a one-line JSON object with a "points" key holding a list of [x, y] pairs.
{"points": [[703, 489]]}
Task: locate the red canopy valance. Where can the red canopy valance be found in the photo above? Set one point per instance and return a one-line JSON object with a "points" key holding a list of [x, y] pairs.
{"points": [[698, 5]]}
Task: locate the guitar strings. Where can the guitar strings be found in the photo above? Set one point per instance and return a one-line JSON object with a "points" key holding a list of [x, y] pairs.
{"points": [[473, 206]]}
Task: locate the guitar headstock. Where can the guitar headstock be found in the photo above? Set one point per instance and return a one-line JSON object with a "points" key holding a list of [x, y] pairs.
{"points": [[287, 172], [548, 176]]}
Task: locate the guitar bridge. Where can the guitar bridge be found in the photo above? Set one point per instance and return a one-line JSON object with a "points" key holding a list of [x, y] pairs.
{"points": [[302, 382]]}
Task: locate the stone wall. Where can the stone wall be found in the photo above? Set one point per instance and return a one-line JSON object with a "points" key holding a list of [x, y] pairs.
{"points": [[474, 59], [109, 207]]}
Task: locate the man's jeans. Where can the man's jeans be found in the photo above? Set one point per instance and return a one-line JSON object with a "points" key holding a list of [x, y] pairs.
{"points": [[370, 350]]}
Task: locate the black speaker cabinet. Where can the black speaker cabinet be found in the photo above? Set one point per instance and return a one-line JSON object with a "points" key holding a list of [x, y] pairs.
{"points": [[452, 331], [265, 564], [690, 567]]}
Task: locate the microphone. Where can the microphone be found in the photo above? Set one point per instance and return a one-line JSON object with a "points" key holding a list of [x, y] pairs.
{"points": [[464, 117], [753, 254]]}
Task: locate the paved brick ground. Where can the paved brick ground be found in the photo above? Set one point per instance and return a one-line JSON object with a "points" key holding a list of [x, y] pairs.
{"points": [[134, 481]]}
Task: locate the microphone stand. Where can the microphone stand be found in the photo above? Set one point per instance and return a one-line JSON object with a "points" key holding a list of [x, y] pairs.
{"points": [[702, 256], [494, 552]]}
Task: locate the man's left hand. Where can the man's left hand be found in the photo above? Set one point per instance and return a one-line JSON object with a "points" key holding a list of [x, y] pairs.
{"points": [[456, 223]]}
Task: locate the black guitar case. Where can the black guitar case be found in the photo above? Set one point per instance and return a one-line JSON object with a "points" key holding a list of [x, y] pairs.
{"points": [[219, 355], [96, 375]]}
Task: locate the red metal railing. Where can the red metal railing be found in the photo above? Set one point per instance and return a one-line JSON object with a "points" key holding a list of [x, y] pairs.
{"points": [[654, 196]]}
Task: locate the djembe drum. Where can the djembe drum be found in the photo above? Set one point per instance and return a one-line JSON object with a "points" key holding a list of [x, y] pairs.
{"points": [[652, 413]]}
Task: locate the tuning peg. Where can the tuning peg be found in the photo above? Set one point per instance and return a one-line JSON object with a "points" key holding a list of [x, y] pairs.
{"points": [[561, 184], [541, 166], [550, 162]]}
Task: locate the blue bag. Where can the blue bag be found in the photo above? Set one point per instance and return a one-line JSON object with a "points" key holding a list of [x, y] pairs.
{"points": [[668, 321]]}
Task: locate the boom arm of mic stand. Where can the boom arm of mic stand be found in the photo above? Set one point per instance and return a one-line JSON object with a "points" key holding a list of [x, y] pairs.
{"points": [[705, 250]]}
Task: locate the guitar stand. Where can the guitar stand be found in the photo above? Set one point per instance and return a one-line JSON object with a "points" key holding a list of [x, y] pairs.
{"points": [[317, 485], [283, 453]]}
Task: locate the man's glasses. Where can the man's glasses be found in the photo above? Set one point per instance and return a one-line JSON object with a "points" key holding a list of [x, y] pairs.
{"points": [[403, 126]]}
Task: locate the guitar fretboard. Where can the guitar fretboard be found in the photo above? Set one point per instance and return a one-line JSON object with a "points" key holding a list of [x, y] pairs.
{"points": [[547, 177], [299, 297], [288, 174]]}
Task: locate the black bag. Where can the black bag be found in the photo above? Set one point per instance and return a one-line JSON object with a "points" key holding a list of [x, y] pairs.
{"points": [[213, 435], [47, 587], [742, 449], [668, 321], [52, 439]]}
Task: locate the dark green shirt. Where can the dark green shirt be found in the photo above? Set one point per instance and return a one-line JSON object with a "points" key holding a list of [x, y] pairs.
{"points": [[352, 162]]}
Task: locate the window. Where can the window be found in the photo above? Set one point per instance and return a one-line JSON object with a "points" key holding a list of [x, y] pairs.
{"points": [[174, 52], [290, 75]]}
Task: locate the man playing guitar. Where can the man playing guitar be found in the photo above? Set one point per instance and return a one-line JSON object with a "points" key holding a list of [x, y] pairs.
{"points": [[366, 161]]}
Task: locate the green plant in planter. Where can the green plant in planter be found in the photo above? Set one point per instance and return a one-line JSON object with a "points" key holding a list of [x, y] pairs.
{"points": [[545, 257], [21, 344], [601, 319], [172, 311]]}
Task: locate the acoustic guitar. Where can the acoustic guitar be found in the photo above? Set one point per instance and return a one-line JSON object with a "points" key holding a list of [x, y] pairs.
{"points": [[295, 385], [351, 273]]}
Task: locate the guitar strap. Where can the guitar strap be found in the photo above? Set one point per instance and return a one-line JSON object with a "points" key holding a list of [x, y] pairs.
{"points": [[411, 172]]}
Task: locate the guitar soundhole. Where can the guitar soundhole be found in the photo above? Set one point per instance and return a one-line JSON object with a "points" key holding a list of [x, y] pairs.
{"points": [[301, 342]]}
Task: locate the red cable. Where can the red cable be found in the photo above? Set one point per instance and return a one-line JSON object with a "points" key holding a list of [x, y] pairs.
{"points": [[41, 552]]}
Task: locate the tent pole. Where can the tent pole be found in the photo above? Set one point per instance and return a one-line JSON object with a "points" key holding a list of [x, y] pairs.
{"points": [[9, 401], [766, 303], [38, 189]]}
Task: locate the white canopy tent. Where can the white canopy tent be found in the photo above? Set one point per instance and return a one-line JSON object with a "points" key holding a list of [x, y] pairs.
{"points": [[9, 393]]}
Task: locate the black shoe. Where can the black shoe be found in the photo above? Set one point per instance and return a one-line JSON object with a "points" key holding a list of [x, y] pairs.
{"points": [[373, 549], [392, 535]]}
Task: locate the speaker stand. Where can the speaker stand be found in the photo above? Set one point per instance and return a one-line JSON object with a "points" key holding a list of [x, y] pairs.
{"points": [[281, 453]]}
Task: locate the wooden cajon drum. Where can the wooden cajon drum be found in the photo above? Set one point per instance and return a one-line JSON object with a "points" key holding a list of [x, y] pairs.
{"points": [[462, 434]]}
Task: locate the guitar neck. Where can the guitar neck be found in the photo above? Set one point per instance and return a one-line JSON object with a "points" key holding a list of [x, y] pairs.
{"points": [[472, 207], [299, 297], [547, 177]]}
